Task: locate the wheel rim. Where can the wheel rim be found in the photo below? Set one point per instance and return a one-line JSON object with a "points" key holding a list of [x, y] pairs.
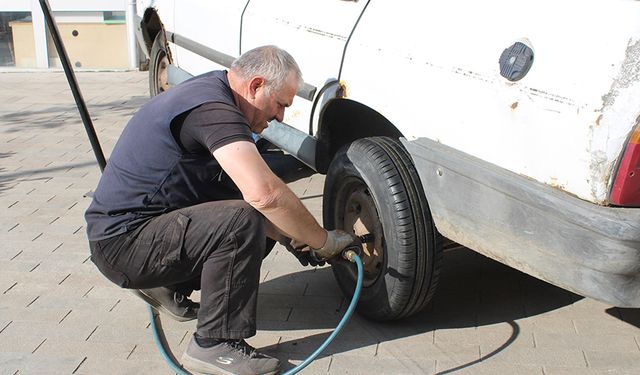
{"points": [[361, 217], [162, 72]]}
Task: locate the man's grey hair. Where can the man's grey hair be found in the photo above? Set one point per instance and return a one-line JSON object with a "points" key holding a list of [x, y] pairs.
{"points": [[270, 62]]}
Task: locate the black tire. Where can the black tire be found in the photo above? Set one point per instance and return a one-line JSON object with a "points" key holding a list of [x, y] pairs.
{"points": [[158, 64], [372, 187]]}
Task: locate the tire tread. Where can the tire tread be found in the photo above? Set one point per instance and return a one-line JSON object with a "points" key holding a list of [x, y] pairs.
{"points": [[419, 259]]}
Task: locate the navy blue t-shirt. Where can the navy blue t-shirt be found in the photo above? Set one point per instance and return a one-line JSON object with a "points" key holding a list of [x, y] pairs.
{"points": [[163, 159]]}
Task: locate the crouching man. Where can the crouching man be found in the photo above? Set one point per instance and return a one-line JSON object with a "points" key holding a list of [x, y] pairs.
{"points": [[164, 220]]}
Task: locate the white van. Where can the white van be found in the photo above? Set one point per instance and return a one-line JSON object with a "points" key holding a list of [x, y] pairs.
{"points": [[508, 127]]}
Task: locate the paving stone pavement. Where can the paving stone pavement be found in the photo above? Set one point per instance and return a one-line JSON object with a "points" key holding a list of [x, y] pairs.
{"points": [[58, 315]]}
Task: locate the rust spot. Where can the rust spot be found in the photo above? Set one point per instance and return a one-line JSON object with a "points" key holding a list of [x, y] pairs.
{"points": [[514, 105], [341, 92], [553, 181], [598, 120]]}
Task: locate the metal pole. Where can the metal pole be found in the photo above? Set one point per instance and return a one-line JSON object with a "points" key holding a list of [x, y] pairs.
{"points": [[73, 83], [39, 36], [131, 33]]}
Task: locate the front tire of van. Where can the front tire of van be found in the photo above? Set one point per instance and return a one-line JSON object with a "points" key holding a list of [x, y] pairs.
{"points": [[372, 187]]}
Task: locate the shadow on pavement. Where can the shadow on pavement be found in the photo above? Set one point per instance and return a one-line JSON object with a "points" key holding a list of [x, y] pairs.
{"points": [[8, 180], [45, 170], [627, 315], [58, 115], [473, 291], [285, 166], [5, 182]]}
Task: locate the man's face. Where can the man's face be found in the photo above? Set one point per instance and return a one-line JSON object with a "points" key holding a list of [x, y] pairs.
{"points": [[270, 105]]}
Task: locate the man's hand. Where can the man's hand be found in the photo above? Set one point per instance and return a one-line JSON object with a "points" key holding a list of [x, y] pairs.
{"points": [[301, 251], [337, 240]]}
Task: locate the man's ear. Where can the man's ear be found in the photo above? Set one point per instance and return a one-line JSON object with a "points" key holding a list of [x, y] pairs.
{"points": [[254, 84]]}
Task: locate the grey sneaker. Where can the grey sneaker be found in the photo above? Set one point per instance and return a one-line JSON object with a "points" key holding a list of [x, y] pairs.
{"points": [[170, 302], [233, 357]]}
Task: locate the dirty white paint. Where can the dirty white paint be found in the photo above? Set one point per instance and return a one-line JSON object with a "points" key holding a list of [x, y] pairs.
{"points": [[314, 32], [431, 68], [620, 108], [435, 74]]}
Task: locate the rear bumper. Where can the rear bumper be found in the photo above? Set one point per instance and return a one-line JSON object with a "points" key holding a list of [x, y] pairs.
{"points": [[589, 249]]}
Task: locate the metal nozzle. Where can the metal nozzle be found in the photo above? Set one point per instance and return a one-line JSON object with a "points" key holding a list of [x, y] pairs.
{"points": [[350, 255], [350, 252]]}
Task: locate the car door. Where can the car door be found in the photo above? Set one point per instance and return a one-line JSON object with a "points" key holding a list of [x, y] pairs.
{"points": [[315, 32], [211, 23]]}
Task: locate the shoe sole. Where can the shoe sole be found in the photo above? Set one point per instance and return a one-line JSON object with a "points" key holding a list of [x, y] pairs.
{"points": [[205, 368], [158, 306]]}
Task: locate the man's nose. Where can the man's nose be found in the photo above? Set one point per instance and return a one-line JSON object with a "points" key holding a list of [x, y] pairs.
{"points": [[280, 115]]}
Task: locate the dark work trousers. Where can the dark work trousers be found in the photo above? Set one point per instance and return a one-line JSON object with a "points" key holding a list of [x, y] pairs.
{"points": [[221, 244]]}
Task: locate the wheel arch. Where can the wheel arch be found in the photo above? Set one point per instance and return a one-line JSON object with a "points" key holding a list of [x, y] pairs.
{"points": [[342, 121], [150, 26]]}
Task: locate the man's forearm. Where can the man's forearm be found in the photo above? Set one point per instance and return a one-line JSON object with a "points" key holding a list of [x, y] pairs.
{"points": [[268, 194], [291, 218]]}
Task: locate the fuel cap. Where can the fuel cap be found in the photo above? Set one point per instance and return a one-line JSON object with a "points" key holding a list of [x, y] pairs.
{"points": [[516, 61]]}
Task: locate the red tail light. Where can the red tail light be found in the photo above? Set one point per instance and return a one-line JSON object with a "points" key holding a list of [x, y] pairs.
{"points": [[626, 187]]}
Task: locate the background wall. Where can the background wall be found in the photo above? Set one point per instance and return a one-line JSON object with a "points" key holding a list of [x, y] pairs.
{"points": [[96, 34]]}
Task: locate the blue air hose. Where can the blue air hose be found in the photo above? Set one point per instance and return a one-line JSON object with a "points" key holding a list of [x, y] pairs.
{"points": [[349, 254], [175, 366], [353, 257]]}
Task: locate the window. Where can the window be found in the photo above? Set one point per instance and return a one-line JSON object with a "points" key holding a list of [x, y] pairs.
{"points": [[113, 17]]}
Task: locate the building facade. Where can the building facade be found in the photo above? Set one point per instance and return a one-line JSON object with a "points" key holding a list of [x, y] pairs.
{"points": [[98, 34]]}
